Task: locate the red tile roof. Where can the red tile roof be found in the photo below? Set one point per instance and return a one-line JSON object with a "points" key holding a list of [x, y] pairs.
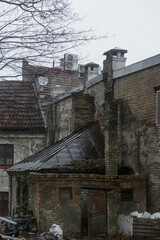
{"points": [[19, 107]]}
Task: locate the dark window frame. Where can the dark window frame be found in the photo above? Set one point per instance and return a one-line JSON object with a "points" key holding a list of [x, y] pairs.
{"points": [[2, 204], [61, 189], [92, 68], [5, 165], [127, 194]]}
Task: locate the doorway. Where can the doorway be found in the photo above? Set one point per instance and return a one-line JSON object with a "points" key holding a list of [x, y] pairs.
{"points": [[93, 212]]}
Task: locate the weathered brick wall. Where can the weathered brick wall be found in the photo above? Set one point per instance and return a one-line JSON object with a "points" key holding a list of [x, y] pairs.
{"points": [[73, 113], [59, 81], [153, 188], [44, 199], [111, 120], [82, 110], [138, 93], [138, 135], [98, 92]]}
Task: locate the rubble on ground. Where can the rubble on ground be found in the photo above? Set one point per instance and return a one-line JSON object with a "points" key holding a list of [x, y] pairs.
{"points": [[22, 225], [55, 233]]}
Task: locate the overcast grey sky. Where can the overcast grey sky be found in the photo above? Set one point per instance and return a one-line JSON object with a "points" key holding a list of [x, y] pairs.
{"points": [[133, 25]]}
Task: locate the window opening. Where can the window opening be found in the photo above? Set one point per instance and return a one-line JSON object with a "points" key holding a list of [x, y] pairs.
{"points": [[126, 194], [6, 155], [65, 193]]}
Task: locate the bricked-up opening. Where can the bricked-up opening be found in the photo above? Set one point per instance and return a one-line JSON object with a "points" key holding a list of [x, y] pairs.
{"points": [[126, 195], [65, 193], [158, 108]]}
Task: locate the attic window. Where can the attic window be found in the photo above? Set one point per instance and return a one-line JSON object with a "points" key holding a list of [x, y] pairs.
{"points": [[158, 107], [65, 193], [126, 194]]}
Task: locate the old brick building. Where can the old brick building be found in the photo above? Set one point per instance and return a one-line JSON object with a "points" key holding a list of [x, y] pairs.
{"points": [[125, 101], [66, 184]]}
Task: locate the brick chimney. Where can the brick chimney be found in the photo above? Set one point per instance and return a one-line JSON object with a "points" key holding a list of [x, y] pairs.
{"points": [[114, 60], [82, 110], [117, 58]]}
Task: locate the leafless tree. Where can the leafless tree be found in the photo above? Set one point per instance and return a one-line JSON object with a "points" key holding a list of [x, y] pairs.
{"points": [[36, 30]]}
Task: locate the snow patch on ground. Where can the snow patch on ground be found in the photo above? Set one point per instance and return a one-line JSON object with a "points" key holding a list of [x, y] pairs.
{"points": [[145, 215]]}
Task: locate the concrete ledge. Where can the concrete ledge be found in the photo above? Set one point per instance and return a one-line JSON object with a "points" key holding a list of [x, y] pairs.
{"points": [[149, 62]]}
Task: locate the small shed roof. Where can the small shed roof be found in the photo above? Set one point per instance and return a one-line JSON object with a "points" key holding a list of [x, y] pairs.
{"points": [[88, 143]]}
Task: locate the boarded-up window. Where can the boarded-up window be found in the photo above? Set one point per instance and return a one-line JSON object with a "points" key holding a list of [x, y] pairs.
{"points": [[65, 193], [158, 108], [126, 194]]}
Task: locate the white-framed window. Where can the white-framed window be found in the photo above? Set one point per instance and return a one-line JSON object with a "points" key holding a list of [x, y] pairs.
{"points": [[158, 107]]}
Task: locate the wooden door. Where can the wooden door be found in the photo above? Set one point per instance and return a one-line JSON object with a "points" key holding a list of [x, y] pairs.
{"points": [[96, 213]]}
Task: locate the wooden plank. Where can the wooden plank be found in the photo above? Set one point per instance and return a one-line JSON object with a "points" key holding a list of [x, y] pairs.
{"points": [[8, 220], [147, 227]]}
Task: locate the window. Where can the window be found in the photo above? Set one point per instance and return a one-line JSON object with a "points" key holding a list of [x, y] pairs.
{"points": [[126, 194], [65, 193], [3, 203], [6, 155], [91, 68], [158, 108]]}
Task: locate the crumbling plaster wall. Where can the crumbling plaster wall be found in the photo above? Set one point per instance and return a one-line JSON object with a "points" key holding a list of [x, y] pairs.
{"points": [[138, 135], [98, 92], [62, 118], [79, 109], [25, 144]]}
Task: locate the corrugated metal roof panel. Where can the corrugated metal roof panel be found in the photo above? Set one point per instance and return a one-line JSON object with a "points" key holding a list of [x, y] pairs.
{"points": [[81, 145]]}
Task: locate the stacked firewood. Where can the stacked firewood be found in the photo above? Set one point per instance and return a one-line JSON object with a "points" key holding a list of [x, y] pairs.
{"points": [[22, 225]]}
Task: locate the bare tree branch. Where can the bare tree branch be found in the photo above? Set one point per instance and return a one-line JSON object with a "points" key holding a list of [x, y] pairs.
{"points": [[36, 30]]}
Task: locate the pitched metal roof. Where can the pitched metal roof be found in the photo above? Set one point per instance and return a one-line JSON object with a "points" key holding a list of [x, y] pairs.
{"points": [[88, 143], [19, 108]]}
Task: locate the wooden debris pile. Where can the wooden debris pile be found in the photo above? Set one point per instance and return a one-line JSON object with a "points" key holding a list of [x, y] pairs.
{"points": [[22, 225]]}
